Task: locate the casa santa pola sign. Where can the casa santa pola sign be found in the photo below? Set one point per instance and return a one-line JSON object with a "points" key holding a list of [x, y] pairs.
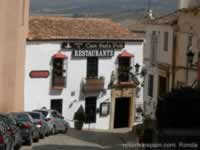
{"points": [[93, 49]]}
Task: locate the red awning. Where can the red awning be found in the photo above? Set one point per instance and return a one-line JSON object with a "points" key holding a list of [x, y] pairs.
{"points": [[126, 54], [59, 55]]}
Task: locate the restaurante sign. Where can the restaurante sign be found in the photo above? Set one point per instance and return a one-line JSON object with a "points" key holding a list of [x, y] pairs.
{"points": [[93, 53]]}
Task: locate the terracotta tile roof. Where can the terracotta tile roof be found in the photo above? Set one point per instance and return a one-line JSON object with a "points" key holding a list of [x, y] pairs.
{"points": [[57, 28]]}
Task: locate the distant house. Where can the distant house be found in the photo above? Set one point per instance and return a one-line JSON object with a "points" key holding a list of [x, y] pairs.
{"points": [[171, 55], [88, 62]]}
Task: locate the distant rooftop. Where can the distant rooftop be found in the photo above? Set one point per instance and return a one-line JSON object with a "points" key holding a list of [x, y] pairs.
{"points": [[169, 19], [172, 18], [59, 28]]}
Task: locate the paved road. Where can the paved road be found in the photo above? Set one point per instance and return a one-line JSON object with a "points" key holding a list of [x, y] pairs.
{"points": [[84, 140]]}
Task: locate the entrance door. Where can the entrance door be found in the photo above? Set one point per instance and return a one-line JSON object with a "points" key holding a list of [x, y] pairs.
{"points": [[56, 104], [122, 113], [90, 109], [162, 86]]}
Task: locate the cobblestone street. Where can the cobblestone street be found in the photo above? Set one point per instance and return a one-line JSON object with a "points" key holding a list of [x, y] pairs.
{"points": [[83, 140]]}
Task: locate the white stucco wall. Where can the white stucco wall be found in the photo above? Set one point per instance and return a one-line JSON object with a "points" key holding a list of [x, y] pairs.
{"points": [[37, 91], [162, 58]]}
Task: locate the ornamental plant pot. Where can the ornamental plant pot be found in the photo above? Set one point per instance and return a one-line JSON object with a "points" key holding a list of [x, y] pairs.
{"points": [[79, 118], [78, 125]]}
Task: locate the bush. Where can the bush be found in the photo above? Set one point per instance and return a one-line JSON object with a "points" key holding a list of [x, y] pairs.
{"points": [[79, 118], [139, 130]]}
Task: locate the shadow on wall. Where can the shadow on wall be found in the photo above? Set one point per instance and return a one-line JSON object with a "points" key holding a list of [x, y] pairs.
{"points": [[55, 92]]}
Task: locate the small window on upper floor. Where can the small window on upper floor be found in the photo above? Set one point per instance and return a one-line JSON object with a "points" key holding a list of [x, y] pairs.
{"points": [[59, 71], [166, 41], [92, 67]]}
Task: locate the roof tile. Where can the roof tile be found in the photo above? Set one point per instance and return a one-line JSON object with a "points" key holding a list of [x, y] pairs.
{"points": [[57, 28]]}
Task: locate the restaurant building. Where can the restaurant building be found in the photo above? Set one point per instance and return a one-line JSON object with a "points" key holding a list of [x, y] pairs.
{"points": [[84, 62]]}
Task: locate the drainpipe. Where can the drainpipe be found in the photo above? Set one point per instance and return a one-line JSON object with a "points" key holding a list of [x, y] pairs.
{"points": [[174, 61], [198, 77]]}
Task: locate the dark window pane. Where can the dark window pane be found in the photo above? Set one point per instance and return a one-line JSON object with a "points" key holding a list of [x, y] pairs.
{"points": [[166, 41], [35, 115], [151, 85], [124, 69], [92, 67], [23, 117], [162, 85], [45, 113], [57, 105]]}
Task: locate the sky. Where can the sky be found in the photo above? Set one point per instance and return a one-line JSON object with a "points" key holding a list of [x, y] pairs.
{"points": [[116, 9]]}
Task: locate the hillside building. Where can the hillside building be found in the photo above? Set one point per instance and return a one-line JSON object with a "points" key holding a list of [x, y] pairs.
{"points": [[84, 62]]}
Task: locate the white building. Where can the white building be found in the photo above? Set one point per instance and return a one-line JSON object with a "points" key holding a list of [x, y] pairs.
{"points": [[158, 52], [168, 40], [83, 62]]}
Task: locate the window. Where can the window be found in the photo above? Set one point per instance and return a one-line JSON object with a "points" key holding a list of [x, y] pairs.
{"points": [[151, 85], [124, 69], [92, 67], [104, 109], [166, 41], [154, 47], [162, 85], [58, 78]]}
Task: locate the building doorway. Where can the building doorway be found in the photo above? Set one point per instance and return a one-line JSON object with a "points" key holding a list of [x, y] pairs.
{"points": [[122, 113], [57, 104], [90, 109], [162, 86]]}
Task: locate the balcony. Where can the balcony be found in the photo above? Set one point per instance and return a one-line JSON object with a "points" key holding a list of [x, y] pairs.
{"points": [[58, 83], [93, 84], [127, 80]]}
